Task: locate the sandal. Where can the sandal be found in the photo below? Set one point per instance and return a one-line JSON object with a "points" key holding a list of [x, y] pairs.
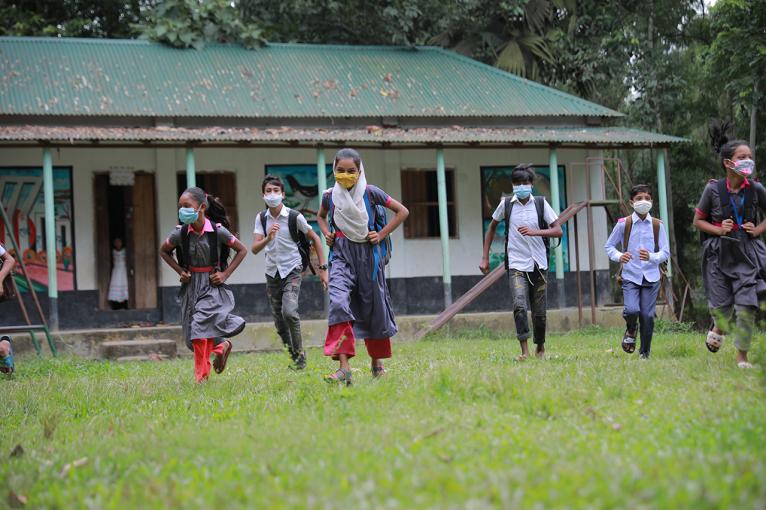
{"points": [[628, 343], [745, 364], [378, 372], [340, 376], [219, 363], [7, 365], [714, 341], [520, 358]]}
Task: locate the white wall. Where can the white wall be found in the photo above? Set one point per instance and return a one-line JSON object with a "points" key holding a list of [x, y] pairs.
{"points": [[411, 257]]}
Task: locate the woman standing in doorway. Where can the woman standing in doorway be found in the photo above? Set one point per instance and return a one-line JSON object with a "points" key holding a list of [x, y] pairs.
{"points": [[360, 305], [118, 283]]}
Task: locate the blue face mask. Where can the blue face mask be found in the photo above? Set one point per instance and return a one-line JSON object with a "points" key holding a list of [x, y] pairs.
{"points": [[187, 215], [522, 191]]}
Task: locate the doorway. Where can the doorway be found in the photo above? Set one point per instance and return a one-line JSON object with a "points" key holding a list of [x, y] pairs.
{"points": [[128, 213]]}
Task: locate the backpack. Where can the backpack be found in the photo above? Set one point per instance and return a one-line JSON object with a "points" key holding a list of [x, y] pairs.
{"points": [[541, 223], [749, 211], [377, 219], [626, 238], [219, 259], [304, 245]]}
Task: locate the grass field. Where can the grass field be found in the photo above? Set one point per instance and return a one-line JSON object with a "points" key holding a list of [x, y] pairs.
{"points": [[456, 424]]}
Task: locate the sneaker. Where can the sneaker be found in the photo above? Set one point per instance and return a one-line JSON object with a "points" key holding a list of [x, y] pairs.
{"points": [[299, 362], [340, 376]]}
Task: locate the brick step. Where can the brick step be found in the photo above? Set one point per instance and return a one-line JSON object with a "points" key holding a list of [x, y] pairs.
{"points": [[141, 348]]}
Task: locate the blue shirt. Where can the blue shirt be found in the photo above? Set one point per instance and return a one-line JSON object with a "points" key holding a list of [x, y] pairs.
{"points": [[641, 236]]}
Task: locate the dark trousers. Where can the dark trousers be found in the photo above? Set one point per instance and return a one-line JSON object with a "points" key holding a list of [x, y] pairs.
{"points": [[640, 304], [529, 287], [283, 296]]}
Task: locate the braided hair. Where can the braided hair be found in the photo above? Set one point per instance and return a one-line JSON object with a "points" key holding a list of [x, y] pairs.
{"points": [[720, 133]]}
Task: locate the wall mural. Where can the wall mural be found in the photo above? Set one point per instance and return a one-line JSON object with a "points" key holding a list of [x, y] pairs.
{"points": [[301, 191], [496, 184], [21, 190]]}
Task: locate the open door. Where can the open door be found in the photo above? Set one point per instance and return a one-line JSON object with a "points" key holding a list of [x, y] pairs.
{"points": [[142, 237]]}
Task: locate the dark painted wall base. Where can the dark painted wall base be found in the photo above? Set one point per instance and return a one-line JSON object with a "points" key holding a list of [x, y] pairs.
{"points": [[410, 296]]}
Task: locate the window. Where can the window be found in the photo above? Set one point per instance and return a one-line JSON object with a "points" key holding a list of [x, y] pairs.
{"points": [[419, 195], [218, 184]]}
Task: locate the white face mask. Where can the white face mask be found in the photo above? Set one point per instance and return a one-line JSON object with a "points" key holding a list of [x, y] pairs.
{"points": [[273, 200], [642, 206]]}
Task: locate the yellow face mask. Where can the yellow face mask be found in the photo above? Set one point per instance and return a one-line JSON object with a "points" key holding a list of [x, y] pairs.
{"points": [[347, 180]]}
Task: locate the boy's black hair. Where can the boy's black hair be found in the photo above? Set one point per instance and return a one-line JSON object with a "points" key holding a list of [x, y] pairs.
{"points": [[272, 179], [640, 188], [523, 172], [720, 134]]}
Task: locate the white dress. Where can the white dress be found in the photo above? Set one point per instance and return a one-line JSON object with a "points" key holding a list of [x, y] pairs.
{"points": [[118, 285]]}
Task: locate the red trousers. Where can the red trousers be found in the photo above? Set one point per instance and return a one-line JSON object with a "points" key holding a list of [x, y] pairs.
{"points": [[340, 340], [203, 349]]}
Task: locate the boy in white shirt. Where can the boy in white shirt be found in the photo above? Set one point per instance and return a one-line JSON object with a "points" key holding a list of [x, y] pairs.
{"points": [[285, 263], [528, 222]]}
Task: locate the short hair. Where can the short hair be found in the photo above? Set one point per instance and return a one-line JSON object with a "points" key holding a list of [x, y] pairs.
{"points": [[640, 188], [272, 179], [523, 172]]}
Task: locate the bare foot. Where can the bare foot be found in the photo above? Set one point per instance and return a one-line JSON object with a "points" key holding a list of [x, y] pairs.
{"points": [[540, 352], [521, 357]]}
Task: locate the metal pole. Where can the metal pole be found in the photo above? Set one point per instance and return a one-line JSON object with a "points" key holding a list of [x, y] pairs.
{"points": [[662, 192], [321, 187], [441, 184], [577, 262], [50, 239], [191, 170], [591, 255], [556, 205]]}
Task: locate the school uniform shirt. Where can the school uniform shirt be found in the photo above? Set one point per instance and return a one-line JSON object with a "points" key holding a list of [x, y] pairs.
{"points": [[641, 236], [282, 255], [710, 209], [525, 251]]}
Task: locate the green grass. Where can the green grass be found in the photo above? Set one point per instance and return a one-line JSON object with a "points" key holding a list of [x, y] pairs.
{"points": [[456, 424]]}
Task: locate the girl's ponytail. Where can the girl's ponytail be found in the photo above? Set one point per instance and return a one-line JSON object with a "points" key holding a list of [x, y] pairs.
{"points": [[720, 132], [217, 212]]}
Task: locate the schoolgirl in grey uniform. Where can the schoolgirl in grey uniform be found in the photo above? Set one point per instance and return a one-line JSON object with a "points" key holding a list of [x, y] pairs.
{"points": [[360, 305], [206, 303], [733, 256]]}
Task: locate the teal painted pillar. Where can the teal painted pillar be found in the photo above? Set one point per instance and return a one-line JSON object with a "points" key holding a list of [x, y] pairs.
{"points": [[321, 186], [663, 193], [50, 239], [553, 166], [441, 185], [191, 169]]}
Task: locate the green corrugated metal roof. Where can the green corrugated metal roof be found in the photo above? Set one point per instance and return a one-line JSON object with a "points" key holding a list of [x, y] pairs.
{"points": [[453, 135], [107, 77]]}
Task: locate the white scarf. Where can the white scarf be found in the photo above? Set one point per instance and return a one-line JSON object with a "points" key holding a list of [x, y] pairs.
{"points": [[350, 214]]}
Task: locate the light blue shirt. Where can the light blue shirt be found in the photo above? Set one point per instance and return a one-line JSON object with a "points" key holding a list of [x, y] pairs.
{"points": [[641, 236]]}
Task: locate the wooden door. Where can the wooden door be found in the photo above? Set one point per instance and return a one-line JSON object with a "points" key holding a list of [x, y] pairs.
{"points": [[142, 235], [103, 243]]}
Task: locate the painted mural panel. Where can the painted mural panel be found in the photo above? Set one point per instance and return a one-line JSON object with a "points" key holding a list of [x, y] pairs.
{"points": [[21, 191], [496, 184], [301, 189]]}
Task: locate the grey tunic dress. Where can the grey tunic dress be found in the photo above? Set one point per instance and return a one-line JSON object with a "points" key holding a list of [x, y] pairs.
{"points": [[354, 295], [206, 310], [733, 266]]}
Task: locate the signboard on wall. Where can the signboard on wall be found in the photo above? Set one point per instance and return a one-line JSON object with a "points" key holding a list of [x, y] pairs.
{"points": [[301, 189], [496, 184], [21, 189]]}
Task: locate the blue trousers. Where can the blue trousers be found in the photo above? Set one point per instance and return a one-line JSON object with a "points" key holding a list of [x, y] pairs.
{"points": [[640, 305]]}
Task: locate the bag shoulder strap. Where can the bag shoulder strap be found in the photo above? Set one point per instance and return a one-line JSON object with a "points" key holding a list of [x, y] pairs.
{"points": [[748, 211], [292, 224], [263, 222], [626, 232], [723, 197], [184, 247], [371, 215], [508, 205], [656, 231], [215, 253], [540, 206]]}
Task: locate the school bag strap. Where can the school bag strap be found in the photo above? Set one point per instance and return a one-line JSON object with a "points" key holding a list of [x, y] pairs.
{"points": [[262, 217], [300, 239], [748, 212], [181, 255]]}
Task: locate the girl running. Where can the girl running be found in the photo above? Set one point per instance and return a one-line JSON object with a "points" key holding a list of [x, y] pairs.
{"points": [[202, 247], [360, 305]]}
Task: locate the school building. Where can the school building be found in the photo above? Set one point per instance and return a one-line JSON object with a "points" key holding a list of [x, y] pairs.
{"points": [[98, 138]]}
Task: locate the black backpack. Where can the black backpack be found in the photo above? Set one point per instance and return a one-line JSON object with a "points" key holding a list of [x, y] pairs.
{"points": [[750, 209], [541, 223], [219, 259], [304, 245]]}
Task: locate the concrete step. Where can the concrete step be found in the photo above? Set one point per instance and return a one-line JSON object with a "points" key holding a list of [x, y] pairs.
{"points": [[117, 349], [144, 357]]}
